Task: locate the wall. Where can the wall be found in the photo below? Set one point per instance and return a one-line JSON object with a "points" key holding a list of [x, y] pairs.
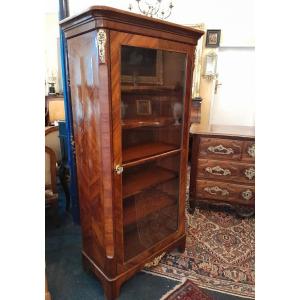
{"points": [[52, 59], [235, 104], [234, 17]]}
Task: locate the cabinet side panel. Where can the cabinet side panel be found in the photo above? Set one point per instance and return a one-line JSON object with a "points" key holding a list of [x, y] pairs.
{"points": [[86, 108]]}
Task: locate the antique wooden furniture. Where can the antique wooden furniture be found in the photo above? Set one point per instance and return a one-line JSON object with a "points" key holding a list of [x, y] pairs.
{"points": [[130, 85], [222, 167], [51, 196], [53, 141]]}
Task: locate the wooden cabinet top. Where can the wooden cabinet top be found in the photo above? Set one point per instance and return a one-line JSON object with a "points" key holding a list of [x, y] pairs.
{"points": [[224, 131], [115, 19]]}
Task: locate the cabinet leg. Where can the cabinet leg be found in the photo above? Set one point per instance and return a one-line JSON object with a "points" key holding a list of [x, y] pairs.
{"points": [[111, 289], [192, 206], [181, 246], [244, 212]]}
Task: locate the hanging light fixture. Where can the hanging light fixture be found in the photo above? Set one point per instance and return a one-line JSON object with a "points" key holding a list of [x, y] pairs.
{"points": [[153, 8]]}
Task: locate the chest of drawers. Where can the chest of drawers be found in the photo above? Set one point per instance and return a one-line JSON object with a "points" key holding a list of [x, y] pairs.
{"points": [[223, 167]]}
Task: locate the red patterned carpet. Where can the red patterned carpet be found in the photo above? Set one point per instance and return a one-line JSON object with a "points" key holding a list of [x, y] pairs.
{"points": [[187, 291], [219, 253]]}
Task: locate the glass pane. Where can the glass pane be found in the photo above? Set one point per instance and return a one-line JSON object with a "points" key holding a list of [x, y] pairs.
{"points": [[152, 116]]}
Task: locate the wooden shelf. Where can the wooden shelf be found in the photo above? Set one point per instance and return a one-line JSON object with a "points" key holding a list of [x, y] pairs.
{"points": [[135, 183], [145, 150], [145, 204], [146, 122], [149, 89], [145, 235]]}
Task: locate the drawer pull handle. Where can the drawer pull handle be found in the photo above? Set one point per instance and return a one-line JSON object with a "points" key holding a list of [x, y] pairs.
{"points": [[220, 149], [217, 170], [247, 195], [251, 150], [250, 173], [215, 189]]}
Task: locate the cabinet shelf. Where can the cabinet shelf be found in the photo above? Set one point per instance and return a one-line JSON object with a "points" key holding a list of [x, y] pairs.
{"points": [[145, 234], [145, 150], [145, 204], [135, 183], [147, 122], [149, 89]]}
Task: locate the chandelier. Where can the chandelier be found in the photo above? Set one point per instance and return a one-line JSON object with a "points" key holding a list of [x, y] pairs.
{"points": [[152, 8]]}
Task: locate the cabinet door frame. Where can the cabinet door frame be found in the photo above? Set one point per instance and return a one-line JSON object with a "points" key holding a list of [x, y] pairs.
{"points": [[117, 39]]}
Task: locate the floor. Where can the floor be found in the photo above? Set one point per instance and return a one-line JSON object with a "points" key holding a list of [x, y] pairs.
{"points": [[68, 281]]}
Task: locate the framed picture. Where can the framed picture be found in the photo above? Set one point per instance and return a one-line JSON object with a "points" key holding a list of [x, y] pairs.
{"points": [[141, 65], [213, 38], [143, 107]]}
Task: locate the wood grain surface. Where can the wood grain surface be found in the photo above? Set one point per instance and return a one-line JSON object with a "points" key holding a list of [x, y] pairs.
{"points": [[95, 89]]}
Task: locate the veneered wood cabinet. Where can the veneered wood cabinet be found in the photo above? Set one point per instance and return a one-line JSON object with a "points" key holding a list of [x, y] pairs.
{"points": [[223, 167], [130, 85]]}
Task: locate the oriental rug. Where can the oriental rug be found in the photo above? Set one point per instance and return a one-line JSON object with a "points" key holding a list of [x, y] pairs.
{"points": [[219, 253], [186, 291]]}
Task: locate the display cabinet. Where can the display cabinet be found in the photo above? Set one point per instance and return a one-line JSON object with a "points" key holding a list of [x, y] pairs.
{"points": [[130, 84]]}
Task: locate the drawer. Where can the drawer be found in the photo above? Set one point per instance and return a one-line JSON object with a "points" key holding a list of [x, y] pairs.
{"points": [[226, 170], [220, 148], [228, 192], [248, 151]]}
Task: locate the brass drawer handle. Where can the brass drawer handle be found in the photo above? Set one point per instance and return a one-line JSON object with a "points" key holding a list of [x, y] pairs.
{"points": [[119, 169], [250, 173], [247, 195], [217, 170], [220, 149], [251, 150], [215, 189]]}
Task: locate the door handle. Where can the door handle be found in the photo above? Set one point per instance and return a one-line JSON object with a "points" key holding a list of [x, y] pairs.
{"points": [[216, 86], [119, 169]]}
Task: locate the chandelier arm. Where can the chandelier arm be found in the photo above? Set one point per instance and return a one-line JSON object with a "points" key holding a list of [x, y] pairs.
{"points": [[157, 8], [169, 11], [141, 10], [152, 10]]}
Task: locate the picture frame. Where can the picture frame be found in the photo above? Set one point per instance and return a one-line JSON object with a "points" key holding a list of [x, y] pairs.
{"points": [[143, 107], [213, 37], [147, 57]]}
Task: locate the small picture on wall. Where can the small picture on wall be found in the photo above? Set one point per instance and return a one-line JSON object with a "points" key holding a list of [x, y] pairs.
{"points": [[143, 107], [213, 38]]}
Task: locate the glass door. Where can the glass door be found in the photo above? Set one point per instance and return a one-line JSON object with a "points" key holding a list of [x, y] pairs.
{"points": [[152, 109]]}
